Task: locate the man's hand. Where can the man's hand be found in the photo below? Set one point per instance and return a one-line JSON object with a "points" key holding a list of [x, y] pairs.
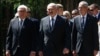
{"points": [[95, 52], [65, 51], [32, 53], [8, 53], [74, 53], [40, 53]]}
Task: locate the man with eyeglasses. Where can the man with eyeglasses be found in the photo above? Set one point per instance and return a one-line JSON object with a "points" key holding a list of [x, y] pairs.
{"points": [[94, 9]]}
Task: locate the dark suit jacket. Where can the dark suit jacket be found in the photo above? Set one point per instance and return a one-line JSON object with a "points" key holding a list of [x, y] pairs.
{"points": [[85, 41], [25, 38], [98, 17], [70, 25], [55, 40]]}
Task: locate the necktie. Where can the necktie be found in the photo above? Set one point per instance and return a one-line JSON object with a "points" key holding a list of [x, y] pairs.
{"points": [[82, 23], [52, 22], [21, 23]]}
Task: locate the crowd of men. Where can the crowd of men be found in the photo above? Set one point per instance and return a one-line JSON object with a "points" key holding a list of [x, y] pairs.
{"points": [[60, 33]]}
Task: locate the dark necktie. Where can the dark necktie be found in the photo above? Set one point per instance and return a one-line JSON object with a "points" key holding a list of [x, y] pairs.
{"points": [[52, 24], [21, 24], [82, 23]]}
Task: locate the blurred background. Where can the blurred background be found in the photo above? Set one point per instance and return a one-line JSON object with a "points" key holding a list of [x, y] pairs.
{"points": [[38, 10]]}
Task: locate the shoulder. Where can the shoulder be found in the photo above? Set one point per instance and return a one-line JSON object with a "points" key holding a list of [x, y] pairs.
{"points": [[91, 17], [13, 20], [61, 18], [76, 18], [44, 19], [34, 19]]}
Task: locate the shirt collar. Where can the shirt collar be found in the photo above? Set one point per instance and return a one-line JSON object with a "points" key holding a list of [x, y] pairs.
{"points": [[21, 19], [53, 17], [84, 15]]}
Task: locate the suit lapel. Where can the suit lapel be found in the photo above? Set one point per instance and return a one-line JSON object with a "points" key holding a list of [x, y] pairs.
{"points": [[47, 22], [56, 22], [79, 21], [17, 25], [86, 23]]}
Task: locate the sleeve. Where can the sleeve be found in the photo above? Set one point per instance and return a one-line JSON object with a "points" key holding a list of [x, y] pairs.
{"points": [[74, 36], [41, 37], [9, 37], [95, 34], [67, 38], [35, 34]]}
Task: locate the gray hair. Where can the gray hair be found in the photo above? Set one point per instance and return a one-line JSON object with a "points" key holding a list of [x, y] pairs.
{"points": [[22, 6], [59, 5], [83, 3], [52, 4]]}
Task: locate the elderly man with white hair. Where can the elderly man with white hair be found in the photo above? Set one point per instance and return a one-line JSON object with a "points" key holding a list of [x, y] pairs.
{"points": [[21, 36], [54, 33], [85, 40]]}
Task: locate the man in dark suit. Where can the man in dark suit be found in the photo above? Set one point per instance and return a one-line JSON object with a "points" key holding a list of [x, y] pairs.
{"points": [[53, 34], [21, 37], [94, 10], [85, 33], [70, 25]]}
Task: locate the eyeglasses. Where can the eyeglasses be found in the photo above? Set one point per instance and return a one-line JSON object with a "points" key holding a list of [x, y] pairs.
{"points": [[92, 10], [22, 11]]}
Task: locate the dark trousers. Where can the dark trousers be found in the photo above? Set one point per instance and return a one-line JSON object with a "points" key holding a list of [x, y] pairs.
{"points": [[20, 52], [84, 52]]}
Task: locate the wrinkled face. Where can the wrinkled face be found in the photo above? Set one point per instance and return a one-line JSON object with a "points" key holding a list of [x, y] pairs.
{"points": [[51, 10], [82, 9], [22, 12]]}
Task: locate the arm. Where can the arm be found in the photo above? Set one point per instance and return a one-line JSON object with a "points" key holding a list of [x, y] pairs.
{"points": [[67, 38], [95, 36], [9, 40], [74, 37], [41, 39], [35, 34]]}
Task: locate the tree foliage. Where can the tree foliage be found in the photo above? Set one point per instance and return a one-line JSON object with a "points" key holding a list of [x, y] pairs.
{"points": [[38, 10]]}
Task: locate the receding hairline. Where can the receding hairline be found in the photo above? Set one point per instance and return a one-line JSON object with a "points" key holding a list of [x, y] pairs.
{"points": [[51, 5], [22, 6], [83, 3], [94, 5], [59, 5]]}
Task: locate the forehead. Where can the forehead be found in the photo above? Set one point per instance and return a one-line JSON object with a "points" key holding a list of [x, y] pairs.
{"points": [[50, 7], [22, 9]]}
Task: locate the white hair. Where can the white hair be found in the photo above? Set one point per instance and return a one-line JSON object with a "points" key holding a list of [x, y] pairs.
{"points": [[83, 3], [66, 12], [16, 14], [22, 6], [59, 5], [52, 4]]}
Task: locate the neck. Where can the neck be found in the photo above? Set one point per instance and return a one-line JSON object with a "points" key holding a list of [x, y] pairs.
{"points": [[83, 14], [52, 15], [22, 17]]}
